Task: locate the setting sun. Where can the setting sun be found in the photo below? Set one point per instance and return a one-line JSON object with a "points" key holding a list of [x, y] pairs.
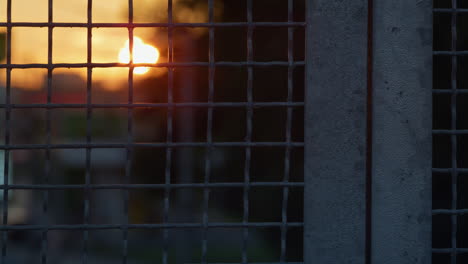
{"points": [[142, 53]]}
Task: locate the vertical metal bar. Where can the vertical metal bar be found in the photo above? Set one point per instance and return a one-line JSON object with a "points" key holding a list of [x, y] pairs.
{"points": [[453, 137], [89, 111], [287, 156], [7, 133], [209, 132], [185, 158], [402, 122], [128, 166], [170, 110], [335, 132], [44, 244], [369, 131], [248, 137]]}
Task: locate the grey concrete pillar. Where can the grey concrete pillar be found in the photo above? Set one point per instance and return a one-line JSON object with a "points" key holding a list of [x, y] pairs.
{"points": [[368, 132]]}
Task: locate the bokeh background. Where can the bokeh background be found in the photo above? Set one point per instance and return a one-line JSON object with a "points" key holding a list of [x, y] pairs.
{"points": [[109, 125]]}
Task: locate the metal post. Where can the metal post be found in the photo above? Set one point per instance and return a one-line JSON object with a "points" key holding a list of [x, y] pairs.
{"points": [[402, 114], [185, 120], [335, 132]]}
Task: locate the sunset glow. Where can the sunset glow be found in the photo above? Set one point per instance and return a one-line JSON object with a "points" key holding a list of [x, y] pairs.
{"points": [[142, 53], [70, 44]]}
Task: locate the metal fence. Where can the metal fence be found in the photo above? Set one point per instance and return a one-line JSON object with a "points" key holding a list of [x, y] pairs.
{"points": [[179, 116], [449, 130], [337, 168]]}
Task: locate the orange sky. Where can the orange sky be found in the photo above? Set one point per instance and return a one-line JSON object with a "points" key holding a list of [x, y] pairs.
{"points": [[69, 45]]}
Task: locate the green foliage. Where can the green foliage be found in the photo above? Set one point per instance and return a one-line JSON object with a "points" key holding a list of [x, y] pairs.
{"points": [[2, 46], [103, 126]]}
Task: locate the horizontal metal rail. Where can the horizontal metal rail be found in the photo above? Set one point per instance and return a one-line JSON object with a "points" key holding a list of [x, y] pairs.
{"points": [[449, 91], [146, 226], [448, 170], [151, 145], [450, 250], [147, 186], [151, 65], [451, 10], [449, 211], [450, 131], [156, 105], [161, 25], [451, 53]]}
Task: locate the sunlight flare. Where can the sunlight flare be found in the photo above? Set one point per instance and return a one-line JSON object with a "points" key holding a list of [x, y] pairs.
{"points": [[142, 53]]}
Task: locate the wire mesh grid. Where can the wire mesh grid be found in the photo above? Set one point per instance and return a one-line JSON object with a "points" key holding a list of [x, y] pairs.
{"points": [[449, 133], [190, 227]]}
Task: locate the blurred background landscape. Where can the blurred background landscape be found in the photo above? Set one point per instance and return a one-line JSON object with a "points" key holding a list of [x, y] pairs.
{"points": [[148, 164]]}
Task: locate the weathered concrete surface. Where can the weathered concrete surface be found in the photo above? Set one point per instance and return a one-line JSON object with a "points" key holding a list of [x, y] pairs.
{"points": [[401, 211], [335, 132]]}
